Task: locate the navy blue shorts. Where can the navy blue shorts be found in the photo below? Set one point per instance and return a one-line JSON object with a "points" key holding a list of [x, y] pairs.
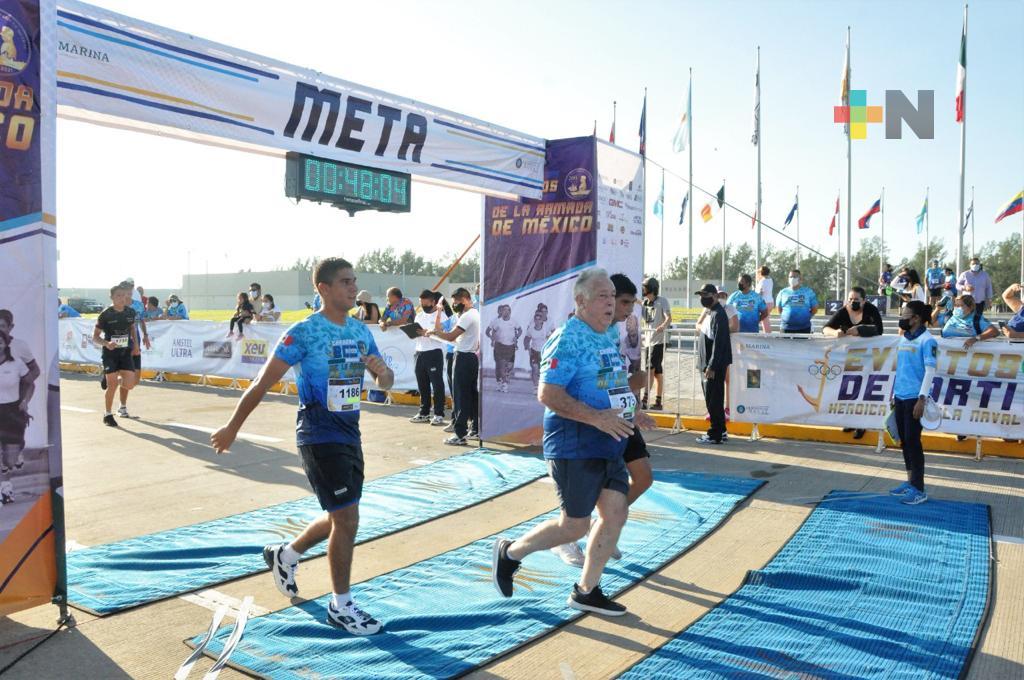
{"points": [[335, 471], [580, 481]]}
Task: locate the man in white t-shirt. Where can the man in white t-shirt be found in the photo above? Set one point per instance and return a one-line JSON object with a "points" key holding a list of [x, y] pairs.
{"points": [[22, 355], [429, 360], [504, 334], [537, 333], [466, 397], [766, 289]]}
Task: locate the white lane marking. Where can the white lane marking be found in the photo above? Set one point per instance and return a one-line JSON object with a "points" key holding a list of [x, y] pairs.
{"points": [[71, 546], [566, 671], [241, 435], [76, 409], [420, 461], [998, 538], [546, 480], [213, 599]]}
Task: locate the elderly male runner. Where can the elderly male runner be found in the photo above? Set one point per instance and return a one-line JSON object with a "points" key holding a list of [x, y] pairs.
{"points": [[330, 352], [587, 420]]}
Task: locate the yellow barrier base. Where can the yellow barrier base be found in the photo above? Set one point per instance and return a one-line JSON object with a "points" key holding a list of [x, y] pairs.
{"points": [[945, 443]]}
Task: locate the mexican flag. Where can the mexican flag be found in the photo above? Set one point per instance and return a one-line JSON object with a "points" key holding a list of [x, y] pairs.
{"points": [[961, 75]]}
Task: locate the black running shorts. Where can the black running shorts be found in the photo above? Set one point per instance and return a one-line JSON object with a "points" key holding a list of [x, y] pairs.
{"points": [[636, 447], [115, 360], [335, 471], [656, 358], [137, 361]]}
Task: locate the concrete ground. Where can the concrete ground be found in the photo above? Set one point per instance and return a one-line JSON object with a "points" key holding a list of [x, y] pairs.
{"points": [[158, 472]]}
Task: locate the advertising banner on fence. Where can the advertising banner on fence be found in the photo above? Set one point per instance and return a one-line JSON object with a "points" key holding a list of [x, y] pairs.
{"points": [[532, 253], [620, 211], [31, 509], [199, 347], [116, 65], [848, 382]]}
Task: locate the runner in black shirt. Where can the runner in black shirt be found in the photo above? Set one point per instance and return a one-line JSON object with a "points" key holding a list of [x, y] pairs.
{"points": [[116, 325]]}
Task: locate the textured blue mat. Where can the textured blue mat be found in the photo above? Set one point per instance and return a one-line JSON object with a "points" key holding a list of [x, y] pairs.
{"points": [[107, 578], [867, 588], [442, 617]]}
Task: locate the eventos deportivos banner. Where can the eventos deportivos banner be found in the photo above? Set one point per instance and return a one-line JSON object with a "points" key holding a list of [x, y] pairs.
{"points": [[848, 382], [199, 347], [112, 64]]}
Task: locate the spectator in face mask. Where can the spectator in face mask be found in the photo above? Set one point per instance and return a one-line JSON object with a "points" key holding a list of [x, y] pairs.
{"points": [[797, 304], [749, 304], [1014, 328], [857, 317], [967, 322], [944, 306], [980, 283]]}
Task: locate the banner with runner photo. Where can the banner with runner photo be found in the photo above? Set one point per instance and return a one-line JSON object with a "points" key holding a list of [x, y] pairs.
{"points": [[201, 348], [31, 506], [114, 65], [533, 250], [848, 382]]}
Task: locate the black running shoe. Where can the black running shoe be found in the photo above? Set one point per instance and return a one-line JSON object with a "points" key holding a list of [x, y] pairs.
{"points": [[594, 601], [109, 421], [282, 572], [503, 567]]}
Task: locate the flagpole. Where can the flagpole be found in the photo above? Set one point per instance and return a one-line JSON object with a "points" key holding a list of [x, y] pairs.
{"points": [[723, 236], [661, 255], [797, 226], [881, 210], [849, 171], [927, 231], [839, 241], [963, 155], [974, 250], [689, 140], [757, 212]]}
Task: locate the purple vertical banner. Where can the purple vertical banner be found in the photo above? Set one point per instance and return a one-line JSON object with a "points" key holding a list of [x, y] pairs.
{"points": [[533, 250], [21, 196]]}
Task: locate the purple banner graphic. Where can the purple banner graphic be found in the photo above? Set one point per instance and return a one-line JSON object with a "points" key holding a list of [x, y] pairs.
{"points": [[20, 176], [533, 251]]}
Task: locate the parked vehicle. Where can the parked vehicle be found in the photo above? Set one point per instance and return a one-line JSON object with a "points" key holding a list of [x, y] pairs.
{"points": [[85, 305]]}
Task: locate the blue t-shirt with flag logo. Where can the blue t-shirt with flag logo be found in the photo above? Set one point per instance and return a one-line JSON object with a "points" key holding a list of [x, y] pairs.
{"points": [[935, 277], [1017, 322], [913, 354], [796, 307], [328, 363], [964, 326], [587, 364], [749, 305]]}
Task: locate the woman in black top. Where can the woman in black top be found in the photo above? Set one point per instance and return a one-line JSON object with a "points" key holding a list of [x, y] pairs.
{"points": [[857, 317]]}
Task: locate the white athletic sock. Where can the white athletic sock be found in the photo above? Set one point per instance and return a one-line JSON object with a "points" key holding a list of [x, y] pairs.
{"points": [[341, 600], [108, 413], [290, 555]]}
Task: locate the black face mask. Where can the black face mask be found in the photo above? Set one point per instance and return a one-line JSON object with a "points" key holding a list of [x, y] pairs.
{"points": [[742, 286], [904, 324], [708, 302], [428, 310], [459, 307], [855, 305]]}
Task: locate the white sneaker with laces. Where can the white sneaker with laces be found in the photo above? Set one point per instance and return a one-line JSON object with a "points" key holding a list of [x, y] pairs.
{"points": [[122, 412], [450, 428], [352, 619], [570, 553], [419, 419], [282, 572], [455, 440], [437, 421]]}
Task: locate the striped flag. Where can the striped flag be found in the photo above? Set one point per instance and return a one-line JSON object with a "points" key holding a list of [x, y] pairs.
{"points": [[961, 75], [705, 212], [643, 134], [832, 226], [755, 138], [1012, 208], [682, 211], [865, 221], [679, 141], [921, 215]]}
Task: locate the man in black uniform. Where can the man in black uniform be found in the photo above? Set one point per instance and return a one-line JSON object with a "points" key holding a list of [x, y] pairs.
{"points": [[715, 354], [116, 332]]}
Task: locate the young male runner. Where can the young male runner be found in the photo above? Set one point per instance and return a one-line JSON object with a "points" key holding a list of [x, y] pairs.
{"points": [[589, 407], [140, 329], [116, 325], [330, 353], [636, 455]]}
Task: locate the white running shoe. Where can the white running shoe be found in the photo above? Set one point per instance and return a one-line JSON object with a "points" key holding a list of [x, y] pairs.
{"points": [[122, 412], [570, 553], [352, 619], [450, 428], [437, 421], [419, 419], [282, 572]]}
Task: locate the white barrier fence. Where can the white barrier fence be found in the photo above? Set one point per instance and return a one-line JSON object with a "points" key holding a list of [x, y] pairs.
{"points": [[201, 348], [847, 382]]}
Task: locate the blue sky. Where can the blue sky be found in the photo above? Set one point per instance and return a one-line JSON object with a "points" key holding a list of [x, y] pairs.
{"points": [[550, 69]]}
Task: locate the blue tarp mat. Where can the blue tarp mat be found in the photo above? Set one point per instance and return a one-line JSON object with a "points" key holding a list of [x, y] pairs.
{"points": [[107, 578], [442, 617], [867, 588]]}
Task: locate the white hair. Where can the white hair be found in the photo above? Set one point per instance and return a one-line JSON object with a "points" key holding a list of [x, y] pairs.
{"points": [[584, 286]]}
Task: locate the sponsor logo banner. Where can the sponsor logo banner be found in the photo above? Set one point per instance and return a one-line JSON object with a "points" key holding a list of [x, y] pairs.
{"points": [[849, 382]]}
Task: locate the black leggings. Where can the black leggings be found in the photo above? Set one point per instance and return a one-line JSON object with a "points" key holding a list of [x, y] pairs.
{"points": [[910, 437], [239, 320]]}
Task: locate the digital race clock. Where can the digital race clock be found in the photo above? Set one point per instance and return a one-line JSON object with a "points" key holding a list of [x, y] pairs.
{"points": [[345, 185]]}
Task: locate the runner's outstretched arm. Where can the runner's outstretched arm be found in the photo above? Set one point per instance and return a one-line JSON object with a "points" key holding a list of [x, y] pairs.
{"points": [[272, 372]]}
